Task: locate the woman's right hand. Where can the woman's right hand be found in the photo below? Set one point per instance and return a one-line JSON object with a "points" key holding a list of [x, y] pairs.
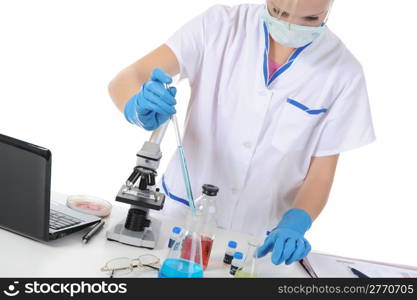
{"points": [[154, 104]]}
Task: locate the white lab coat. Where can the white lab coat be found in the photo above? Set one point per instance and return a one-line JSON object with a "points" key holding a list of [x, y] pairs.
{"points": [[252, 137]]}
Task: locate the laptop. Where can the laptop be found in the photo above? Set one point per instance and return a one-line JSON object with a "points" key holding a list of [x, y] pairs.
{"points": [[25, 191]]}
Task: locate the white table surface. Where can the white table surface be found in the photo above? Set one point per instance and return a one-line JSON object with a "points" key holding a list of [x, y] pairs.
{"points": [[69, 257]]}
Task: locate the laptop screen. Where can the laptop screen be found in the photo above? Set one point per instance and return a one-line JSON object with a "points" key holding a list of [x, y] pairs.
{"points": [[25, 176]]}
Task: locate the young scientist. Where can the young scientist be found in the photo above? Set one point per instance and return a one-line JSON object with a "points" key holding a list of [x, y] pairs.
{"points": [[275, 98]]}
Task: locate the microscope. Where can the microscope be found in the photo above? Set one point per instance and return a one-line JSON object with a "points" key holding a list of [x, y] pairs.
{"points": [[139, 191]]}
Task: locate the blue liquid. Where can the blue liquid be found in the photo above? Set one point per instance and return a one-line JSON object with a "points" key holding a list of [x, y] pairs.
{"points": [[180, 268], [186, 177]]}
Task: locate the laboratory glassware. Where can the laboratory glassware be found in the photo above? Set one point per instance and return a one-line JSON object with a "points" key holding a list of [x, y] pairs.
{"points": [[249, 268], [237, 263], [184, 258], [230, 252], [175, 234], [183, 161], [206, 210]]}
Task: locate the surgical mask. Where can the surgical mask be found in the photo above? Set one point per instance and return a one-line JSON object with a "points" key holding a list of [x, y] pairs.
{"points": [[291, 35]]}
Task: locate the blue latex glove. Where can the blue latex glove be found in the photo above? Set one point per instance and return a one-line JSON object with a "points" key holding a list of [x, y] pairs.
{"points": [[154, 104], [286, 241]]}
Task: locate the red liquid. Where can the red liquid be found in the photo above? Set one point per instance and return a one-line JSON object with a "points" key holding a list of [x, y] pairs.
{"points": [[186, 251], [206, 245]]}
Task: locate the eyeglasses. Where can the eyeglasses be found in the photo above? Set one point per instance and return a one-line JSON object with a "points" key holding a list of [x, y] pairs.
{"points": [[123, 266]]}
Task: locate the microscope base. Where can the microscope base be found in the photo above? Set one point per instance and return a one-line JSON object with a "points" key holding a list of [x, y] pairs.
{"points": [[144, 239]]}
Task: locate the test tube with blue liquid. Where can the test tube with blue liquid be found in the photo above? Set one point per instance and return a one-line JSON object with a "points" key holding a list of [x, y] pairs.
{"points": [[185, 257], [183, 163]]}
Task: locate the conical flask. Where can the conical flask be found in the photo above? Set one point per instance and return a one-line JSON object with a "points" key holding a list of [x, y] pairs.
{"points": [[184, 258], [249, 268]]}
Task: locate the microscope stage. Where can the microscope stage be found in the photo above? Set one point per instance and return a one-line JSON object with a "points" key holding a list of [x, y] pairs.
{"points": [[146, 199]]}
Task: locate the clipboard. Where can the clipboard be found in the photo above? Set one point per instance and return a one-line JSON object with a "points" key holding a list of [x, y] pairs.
{"points": [[322, 265]]}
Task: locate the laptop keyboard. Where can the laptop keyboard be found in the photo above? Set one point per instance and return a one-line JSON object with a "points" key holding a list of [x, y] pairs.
{"points": [[58, 220]]}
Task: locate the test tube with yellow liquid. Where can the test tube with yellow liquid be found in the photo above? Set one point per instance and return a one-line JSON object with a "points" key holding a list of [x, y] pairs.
{"points": [[249, 268]]}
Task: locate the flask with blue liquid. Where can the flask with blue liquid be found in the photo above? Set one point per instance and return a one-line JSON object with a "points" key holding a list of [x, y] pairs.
{"points": [[185, 257]]}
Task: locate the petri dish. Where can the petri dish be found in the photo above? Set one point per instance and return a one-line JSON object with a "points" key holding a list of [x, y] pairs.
{"points": [[89, 205]]}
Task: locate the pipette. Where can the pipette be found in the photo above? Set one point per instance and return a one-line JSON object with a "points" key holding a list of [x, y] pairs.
{"points": [[183, 162]]}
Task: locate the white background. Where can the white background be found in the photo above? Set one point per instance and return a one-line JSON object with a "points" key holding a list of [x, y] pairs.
{"points": [[57, 57]]}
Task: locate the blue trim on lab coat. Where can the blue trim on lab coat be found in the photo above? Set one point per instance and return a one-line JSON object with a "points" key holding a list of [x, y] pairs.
{"points": [[305, 108], [317, 112], [283, 68], [173, 197], [297, 104]]}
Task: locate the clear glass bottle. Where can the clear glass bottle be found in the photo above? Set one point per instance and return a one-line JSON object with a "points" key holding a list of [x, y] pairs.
{"points": [[175, 235], [184, 258], [237, 263], [206, 209], [249, 268], [230, 252]]}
